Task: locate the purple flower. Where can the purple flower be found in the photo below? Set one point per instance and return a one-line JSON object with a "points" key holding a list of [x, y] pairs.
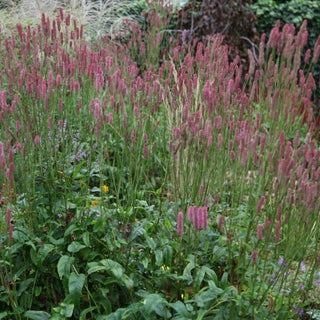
{"points": [[281, 261], [297, 310]]}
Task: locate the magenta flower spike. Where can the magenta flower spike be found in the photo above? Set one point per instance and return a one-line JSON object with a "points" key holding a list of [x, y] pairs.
{"points": [[180, 224]]}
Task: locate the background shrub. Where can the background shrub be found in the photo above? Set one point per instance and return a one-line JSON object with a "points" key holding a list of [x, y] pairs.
{"points": [[292, 12], [233, 19]]}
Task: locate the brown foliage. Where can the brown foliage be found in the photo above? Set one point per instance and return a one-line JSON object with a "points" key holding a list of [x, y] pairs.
{"points": [[230, 18]]}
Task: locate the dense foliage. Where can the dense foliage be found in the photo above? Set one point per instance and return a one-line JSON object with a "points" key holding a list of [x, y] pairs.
{"points": [[292, 12], [232, 19], [134, 187]]}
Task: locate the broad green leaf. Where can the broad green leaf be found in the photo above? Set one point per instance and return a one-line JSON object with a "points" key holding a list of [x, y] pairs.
{"points": [[181, 309], [215, 291], [76, 282], [24, 286], [65, 309], [86, 239], [95, 189], [224, 280], [151, 243], [151, 301], [159, 257], [198, 279], [39, 256], [37, 315], [63, 266], [75, 246], [83, 314], [187, 271], [113, 266], [211, 274], [95, 267], [127, 281], [137, 232], [72, 228], [167, 255], [3, 315], [56, 242]]}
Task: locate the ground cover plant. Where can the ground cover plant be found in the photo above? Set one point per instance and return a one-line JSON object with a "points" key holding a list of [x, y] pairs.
{"points": [[135, 187]]}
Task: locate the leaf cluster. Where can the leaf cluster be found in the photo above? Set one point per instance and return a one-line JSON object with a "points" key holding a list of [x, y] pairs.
{"points": [[232, 19]]}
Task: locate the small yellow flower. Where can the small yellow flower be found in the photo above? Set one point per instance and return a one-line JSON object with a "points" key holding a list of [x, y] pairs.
{"points": [[94, 203], [165, 268], [105, 188]]}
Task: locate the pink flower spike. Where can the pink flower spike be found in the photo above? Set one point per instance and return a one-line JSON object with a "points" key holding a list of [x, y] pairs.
{"points": [[220, 223], [8, 217], [259, 232], [10, 231], [191, 213], [196, 218], [180, 224], [255, 256], [200, 217], [277, 231], [36, 140]]}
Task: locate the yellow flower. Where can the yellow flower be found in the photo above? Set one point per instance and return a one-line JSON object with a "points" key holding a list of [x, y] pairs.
{"points": [[105, 188], [94, 203], [165, 268]]}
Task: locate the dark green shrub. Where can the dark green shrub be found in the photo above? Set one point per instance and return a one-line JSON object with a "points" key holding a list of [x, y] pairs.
{"points": [[292, 12]]}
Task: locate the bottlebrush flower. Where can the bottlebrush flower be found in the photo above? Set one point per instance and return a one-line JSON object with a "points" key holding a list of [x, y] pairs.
{"points": [[36, 140], [8, 216], [259, 232], [220, 223]]}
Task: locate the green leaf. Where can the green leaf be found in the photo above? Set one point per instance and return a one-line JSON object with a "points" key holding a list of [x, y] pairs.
{"points": [[213, 276], [24, 286], [86, 239], [64, 309], [151, 243], [95, 189], [95, 267], [71, 230], [167, 255], [83, 314], [181, 309], [37, 315], [151, 301], [127, 282], [136, 233], [198, 280], [63, 266], [224, 281], [187, 270], [159, 257], [113, 266], [56, 242], [39, 256], [76, 282], [38, 291], [3, 315], [75, 247]]}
